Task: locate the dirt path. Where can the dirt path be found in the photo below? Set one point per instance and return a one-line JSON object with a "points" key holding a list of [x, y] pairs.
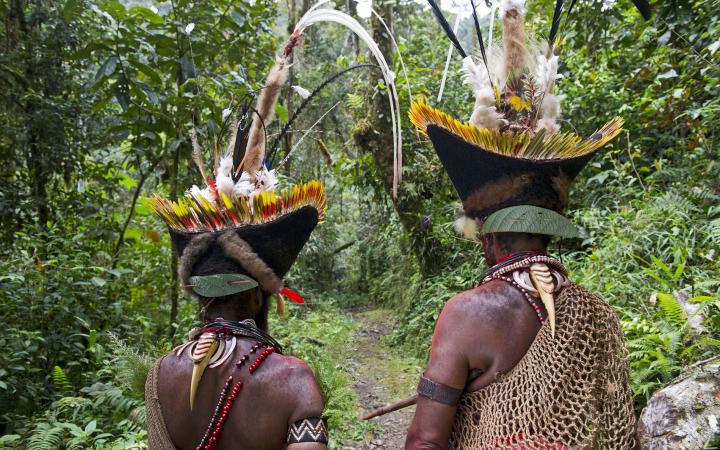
{"points": [[381, 376]]}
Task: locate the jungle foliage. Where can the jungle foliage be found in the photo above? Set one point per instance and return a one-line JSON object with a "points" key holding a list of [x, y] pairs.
{"points": [[98, 102]]}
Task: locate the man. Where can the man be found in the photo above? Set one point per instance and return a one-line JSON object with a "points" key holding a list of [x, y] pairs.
{"points": [[527, 359], [230, 386]]}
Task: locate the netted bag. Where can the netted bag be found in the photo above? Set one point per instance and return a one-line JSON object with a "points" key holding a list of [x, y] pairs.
{"points": [[570, 391]]}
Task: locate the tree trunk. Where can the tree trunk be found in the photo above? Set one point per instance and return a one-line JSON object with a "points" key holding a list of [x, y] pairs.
{"points": [[174, 291], [376, 138]]}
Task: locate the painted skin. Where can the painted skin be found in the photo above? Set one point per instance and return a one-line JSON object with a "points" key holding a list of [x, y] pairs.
{"points": [[489, 328]]}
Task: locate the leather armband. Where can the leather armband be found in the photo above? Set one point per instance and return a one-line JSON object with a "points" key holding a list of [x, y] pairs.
{"points": [[312, 429], [438, 392]]}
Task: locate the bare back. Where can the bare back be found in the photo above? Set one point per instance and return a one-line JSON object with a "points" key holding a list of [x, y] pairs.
{"points": [[282, 391]]}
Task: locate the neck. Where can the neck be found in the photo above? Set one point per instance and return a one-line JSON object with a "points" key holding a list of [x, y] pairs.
{"points": [[499, 246], [224, 310]]}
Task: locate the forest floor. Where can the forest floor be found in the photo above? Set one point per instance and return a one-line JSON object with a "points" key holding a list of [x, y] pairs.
{"points": [[381, 375]]}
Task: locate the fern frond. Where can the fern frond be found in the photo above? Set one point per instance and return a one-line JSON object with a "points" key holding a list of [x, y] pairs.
{"points": [[60, 380], [672, 310], [710, 342], [46, 436]]}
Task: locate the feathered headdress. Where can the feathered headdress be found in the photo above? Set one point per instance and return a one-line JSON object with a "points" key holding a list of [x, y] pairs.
{"points": [[240, 197], [239, 232], [510, 164], [511, 152]]}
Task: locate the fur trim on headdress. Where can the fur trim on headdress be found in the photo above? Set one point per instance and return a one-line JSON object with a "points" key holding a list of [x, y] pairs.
{"points": [[255, 152], [239, 250], [514, 39], [197, 247], [510, 5]]}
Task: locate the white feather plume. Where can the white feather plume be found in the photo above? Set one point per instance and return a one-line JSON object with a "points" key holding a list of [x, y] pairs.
{"points": [[549, 114], [317, 15], [484, 113], [546, 73], [224, 184], [205, 193], [301, 91], [466, 226], [475, 75]]}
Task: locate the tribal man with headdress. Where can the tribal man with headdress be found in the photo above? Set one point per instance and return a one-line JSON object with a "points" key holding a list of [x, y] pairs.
{"points": [[528, 359], [230, 386]]}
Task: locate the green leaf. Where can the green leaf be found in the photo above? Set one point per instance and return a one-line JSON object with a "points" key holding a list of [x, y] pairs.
{"points": [[115, 9], [146, 70], [147, 14], [238, 18], [133, 233], [122, 94], [92, 338], [187, 66], [152, 96], [127, 181], [281, 112], [90, 428], [529, 219], [221, 284], [97, 281], [71, 10]]}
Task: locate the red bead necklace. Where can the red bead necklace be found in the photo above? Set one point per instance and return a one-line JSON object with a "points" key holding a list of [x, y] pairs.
{"points": [[225, 401]]}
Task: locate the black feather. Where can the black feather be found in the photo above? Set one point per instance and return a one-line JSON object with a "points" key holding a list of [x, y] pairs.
{"points": [[270, 156], [644, 7], [564, 22], [480, 38], [555, 26], [446, 27], [241, 138]]}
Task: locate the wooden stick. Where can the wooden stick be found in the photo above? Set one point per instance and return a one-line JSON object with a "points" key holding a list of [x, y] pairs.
{"points": [[392, 407], [474, 374]]}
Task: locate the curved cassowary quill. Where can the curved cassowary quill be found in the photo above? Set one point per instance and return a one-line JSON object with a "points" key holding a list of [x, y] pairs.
{"points": [[555, 24], [644, 7]]}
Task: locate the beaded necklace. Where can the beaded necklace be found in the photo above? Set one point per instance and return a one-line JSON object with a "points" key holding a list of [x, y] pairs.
{"points": [[520, 261], [228, 396], [245, 328], [511, 259]]}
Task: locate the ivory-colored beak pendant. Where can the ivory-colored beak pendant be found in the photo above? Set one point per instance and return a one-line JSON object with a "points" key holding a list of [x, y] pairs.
{"points": [[543, 281], [201, 355]]}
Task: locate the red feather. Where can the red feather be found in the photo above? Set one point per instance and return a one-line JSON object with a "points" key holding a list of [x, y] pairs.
{"points": [[292, 296]]}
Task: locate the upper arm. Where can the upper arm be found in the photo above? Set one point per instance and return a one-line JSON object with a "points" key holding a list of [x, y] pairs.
{"points": [[448, 365], [308, 401]]}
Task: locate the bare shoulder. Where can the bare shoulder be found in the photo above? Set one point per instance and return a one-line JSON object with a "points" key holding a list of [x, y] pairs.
{"points": [[298, 385], [291, 369], [487, 307]]}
